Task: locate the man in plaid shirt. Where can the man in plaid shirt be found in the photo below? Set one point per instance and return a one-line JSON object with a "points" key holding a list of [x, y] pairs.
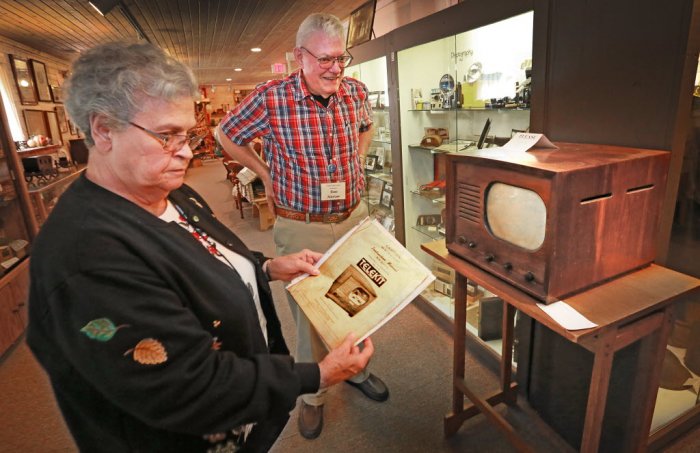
{"points": [[316, 128]]}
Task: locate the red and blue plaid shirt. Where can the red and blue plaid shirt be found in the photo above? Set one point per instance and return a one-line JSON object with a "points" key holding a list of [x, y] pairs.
{"points": [[305, 143]]}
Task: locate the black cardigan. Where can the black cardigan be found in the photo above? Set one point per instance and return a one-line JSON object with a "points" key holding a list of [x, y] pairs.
{"points": [[100, 257]]}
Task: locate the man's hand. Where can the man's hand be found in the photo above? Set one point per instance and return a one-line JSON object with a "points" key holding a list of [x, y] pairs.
{"points": [[270, 195], [345, 361], [291, 266]]}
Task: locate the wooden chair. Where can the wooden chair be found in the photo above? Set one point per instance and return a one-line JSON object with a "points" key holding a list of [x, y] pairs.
{"points": [[232, 168]]}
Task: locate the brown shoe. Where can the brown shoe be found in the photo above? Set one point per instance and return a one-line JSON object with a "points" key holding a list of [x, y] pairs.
{"points": [[310, 420]]}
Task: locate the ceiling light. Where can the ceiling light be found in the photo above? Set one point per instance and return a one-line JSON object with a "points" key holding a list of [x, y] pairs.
{"points": [[103, 6], [237, 69], [228, 79], [256, 49]]}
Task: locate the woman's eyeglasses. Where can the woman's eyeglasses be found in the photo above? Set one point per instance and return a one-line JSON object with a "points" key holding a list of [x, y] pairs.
{"points": [[327, 62], [173, 142]]}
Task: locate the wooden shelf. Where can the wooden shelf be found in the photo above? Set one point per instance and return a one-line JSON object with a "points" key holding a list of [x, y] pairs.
{"points": [[61, 179], [39, 150]]}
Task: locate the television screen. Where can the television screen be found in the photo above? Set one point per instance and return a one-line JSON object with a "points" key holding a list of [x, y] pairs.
{"points": [[516, 215]]}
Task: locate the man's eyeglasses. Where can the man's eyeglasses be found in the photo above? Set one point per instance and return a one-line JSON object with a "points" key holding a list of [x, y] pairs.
{"points": [[173, 142], [327, 62]]}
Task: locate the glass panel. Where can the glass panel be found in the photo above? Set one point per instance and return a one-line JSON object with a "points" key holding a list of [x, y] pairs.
{"points": [[452, 90], [378, 175], [680, 376], [14, 237]]}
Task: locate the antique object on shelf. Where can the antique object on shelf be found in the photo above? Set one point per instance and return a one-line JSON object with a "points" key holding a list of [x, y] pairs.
{"points": [[554, 222], [38, 169], [447, 90]]}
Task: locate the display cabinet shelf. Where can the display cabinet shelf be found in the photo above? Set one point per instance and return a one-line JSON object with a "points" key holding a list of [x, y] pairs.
{"points": [[437, 200], [39, 150], [431, 232], [379, 175], [473, 109]]}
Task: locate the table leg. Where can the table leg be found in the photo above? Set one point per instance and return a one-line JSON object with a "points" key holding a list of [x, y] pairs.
{"points": [[452, 422], [598, 390], [649, 366], [510, 394]]}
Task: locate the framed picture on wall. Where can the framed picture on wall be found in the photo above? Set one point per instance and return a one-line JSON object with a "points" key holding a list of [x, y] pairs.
{"points": [[54, 128], [24, 80], [62, 122], [360, 24], [56, 94], [41, 80], [36, 122], [370, 162], [386, 195]]}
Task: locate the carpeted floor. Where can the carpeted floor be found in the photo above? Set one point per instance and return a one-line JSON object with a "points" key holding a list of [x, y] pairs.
{"points": [[413, 356]]}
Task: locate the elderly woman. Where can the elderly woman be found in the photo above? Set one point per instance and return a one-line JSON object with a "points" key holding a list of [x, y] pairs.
{"points": [[154, 321]]}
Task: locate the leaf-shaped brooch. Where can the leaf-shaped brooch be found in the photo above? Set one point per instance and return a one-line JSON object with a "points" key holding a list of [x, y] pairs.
{"points": [[101, 329], [148, 352]]}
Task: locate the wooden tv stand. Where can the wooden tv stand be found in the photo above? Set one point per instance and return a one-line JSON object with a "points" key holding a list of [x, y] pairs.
{"points": [[636, 306]]}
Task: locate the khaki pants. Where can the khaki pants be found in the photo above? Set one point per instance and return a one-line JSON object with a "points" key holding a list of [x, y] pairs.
{"points": [[292, 236]]}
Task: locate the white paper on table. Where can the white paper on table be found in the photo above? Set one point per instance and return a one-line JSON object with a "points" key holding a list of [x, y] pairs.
{"points": [[566, 316], [523, 141]]}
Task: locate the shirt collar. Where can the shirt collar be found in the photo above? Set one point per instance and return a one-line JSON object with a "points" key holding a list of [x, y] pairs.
{"points": [[302, 91]]}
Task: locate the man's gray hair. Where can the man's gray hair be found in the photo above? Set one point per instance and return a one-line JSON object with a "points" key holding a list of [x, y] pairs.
{"points": [[326, 23], [113, 79]]}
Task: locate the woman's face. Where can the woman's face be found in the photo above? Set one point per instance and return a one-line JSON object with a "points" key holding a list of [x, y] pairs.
{"points": [[146, 170]]}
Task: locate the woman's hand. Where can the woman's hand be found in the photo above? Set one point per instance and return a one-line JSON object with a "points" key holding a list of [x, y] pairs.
{"points": [[345, 361], [291, 266]]}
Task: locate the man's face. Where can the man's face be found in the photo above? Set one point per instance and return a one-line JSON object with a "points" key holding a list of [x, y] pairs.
{"points": [[321, 82]]}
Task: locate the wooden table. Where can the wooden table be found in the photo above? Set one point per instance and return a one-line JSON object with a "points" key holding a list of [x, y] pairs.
{"points": [[636, 306]]}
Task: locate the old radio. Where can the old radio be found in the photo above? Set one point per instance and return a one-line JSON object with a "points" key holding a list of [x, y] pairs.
{"points": [[554, 222]]}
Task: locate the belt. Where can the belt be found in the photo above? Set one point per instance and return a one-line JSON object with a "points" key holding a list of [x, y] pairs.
{"points": [[331, 217]]}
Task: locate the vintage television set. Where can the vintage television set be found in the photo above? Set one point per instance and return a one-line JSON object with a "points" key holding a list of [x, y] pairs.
{"points": [[554, 222]]}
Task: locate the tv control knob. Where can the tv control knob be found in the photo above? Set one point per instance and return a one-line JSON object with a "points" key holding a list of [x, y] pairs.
{"points": [[490, 257], [461, 240], [508, 266], [472, 244], [530, 277]]}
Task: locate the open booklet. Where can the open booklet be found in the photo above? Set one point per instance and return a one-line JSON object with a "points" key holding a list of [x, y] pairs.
{"points": [[366, 278]]}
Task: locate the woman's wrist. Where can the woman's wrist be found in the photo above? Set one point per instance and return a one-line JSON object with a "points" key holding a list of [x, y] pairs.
{"points": [[266, 269]]}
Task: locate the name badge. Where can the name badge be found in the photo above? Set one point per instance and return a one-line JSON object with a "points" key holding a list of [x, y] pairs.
{"points": [[332, 191]]}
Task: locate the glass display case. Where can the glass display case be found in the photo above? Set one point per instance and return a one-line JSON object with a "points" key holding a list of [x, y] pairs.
{"points": [[47, 172], [15, 241], [458, 94], [14, 235], [378, 194]]}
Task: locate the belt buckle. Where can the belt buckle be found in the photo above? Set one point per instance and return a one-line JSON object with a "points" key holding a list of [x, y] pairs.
{"points": [[332, 217]]}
